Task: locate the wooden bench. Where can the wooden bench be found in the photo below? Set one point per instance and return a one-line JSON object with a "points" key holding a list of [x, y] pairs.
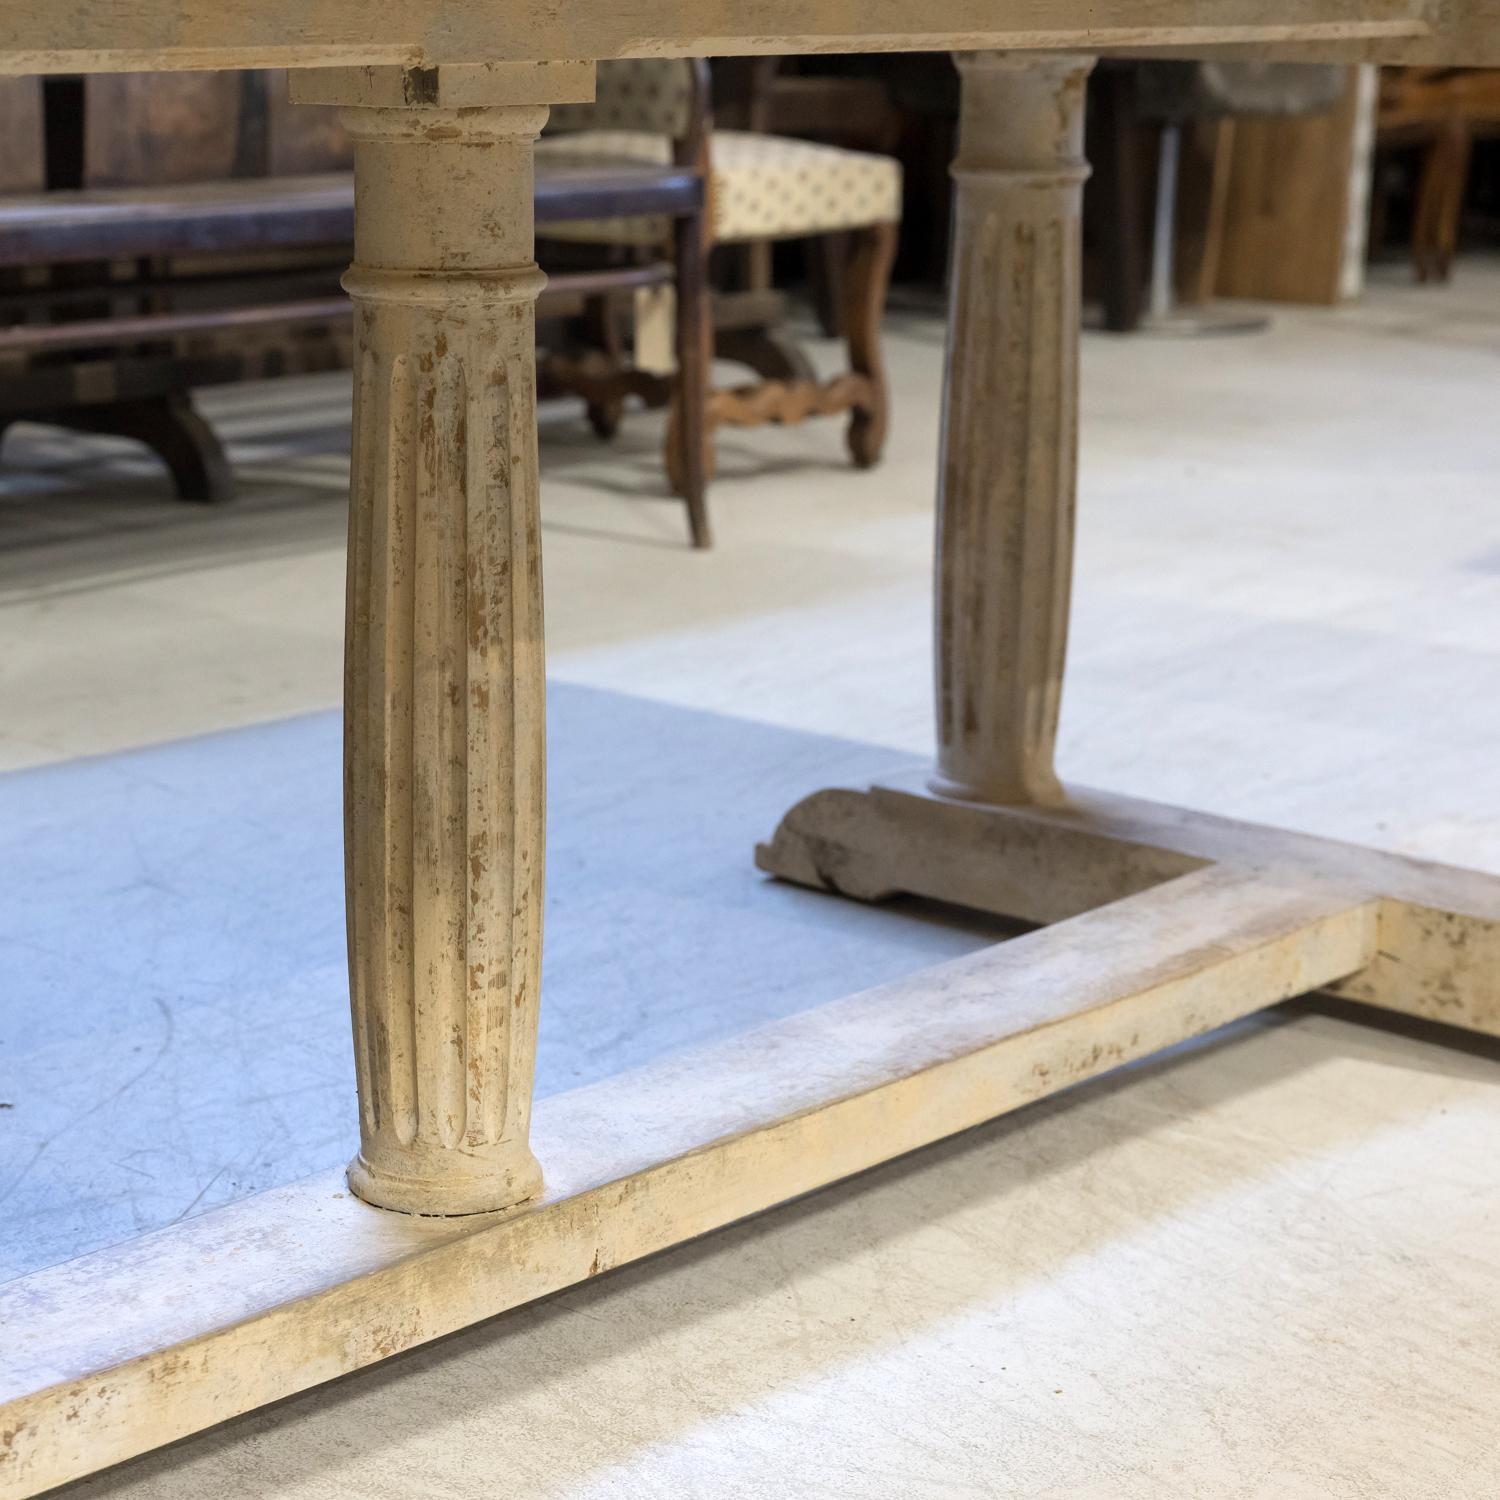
{"points": [[119, 301]]}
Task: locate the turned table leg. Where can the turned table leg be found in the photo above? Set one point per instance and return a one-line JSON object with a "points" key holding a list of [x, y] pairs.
{"points": [[1010, 426], [444, 673]]}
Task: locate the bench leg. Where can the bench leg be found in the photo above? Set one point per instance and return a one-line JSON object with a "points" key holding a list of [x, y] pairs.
{"points": [[444, 673], [172, 428]]}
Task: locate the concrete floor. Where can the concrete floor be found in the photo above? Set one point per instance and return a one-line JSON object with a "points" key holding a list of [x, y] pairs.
{"points": [[175, 1031], [1268, 1268]]}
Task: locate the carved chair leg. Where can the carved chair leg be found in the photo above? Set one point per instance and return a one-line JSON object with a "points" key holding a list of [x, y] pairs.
{"points": [[689, 442], [826, 259], [790, 391], [867, 279], [772, 355]]}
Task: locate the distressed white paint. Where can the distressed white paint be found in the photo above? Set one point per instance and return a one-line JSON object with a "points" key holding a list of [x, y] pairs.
{"points": [[445, 742], [404, 245], [641, 1162], [1008, 469]]}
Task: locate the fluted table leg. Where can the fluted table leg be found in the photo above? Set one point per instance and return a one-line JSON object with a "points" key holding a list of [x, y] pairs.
{"points": [[444, 673], [1010, 426]]}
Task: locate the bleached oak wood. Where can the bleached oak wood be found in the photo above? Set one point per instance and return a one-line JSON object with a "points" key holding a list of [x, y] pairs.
{"points": [[118, 1353], [1465, 33], [82, 35], [451, 86], [131, 1348], [445, 748], [1439, 950], [1009, 442]]}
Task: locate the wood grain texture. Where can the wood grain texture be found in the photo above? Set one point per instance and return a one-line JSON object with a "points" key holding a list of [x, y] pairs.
{"points": [[1009, 440], [78, 35], [1439, 951], [456, 84], [221, 1314], [444, 682], [1458, 33]]}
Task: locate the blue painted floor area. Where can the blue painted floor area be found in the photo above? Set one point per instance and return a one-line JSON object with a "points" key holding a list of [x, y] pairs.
{"points": [[173, 995]]}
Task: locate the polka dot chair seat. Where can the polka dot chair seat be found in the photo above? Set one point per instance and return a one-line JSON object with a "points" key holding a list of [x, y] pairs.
{"points": [[761, 186]]}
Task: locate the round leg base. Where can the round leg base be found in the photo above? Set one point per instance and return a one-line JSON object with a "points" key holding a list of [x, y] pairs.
{"points": [[1043, 793], [474, 1191]]}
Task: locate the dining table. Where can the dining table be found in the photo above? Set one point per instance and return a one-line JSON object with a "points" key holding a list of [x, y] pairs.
{"points": [[1145, 924]]}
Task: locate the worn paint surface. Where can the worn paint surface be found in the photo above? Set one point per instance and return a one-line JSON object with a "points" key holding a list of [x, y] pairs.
{"points": [[445, 736], [1008, 471]]}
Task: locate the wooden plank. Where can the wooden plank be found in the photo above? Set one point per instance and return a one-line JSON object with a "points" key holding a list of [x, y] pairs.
{"points": [[78, 35], [119, 1352], [453, 86], [1439, 925], [1464, 33], [283, 212], [258, 213], [92, 333]]}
